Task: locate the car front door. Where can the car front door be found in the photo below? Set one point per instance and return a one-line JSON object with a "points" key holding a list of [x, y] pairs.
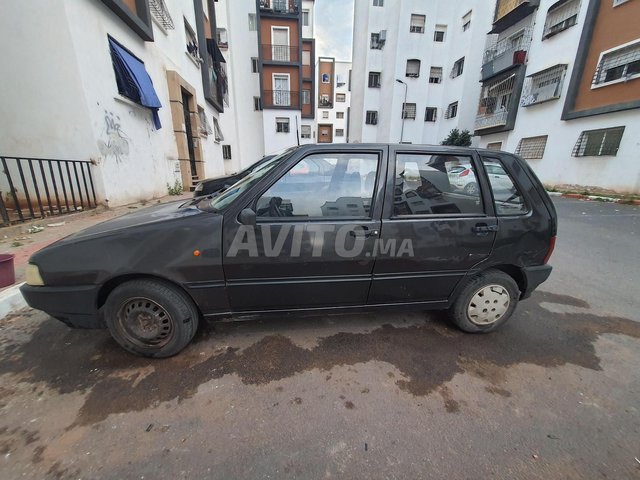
{"points": [[317, 220], [433, 231]]}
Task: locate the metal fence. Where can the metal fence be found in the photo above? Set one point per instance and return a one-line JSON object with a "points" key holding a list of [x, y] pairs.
{"points": [[32, 188]]}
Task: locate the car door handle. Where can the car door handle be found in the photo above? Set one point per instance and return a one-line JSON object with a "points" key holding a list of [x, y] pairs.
{"points": [[364, 232], [484, 229]]}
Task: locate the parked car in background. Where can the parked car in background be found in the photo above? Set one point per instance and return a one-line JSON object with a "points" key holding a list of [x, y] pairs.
{"points": [[210, 186], [318, 227], [463, 177]]}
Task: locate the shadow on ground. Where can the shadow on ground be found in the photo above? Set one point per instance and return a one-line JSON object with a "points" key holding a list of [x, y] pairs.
{"points": [[427, 351]]}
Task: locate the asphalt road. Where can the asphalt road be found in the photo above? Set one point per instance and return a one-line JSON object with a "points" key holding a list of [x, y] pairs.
{"points": [[553, 394]]}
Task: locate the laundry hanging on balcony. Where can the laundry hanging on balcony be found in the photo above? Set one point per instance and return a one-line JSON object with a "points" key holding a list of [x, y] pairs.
{"points": [[133, 80]]}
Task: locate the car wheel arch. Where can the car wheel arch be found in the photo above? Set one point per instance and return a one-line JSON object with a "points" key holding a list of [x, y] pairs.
{"points": [[513, 271]]}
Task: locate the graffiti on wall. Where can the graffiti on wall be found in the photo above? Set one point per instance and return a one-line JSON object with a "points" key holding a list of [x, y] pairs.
{"points": [[116, 143]]}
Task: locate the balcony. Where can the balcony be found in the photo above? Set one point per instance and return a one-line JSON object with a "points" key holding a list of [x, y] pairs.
{"points": [[505, 53], [279, 7], [325, 103], [496, 103], [510, 12], [280, 53], [281, 99]]}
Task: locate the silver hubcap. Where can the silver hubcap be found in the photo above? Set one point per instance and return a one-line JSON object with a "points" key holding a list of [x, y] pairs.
{"points": [[488, 305]]}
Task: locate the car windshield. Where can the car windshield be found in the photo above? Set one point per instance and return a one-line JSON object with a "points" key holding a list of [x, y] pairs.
{"points": [[223, 200]]}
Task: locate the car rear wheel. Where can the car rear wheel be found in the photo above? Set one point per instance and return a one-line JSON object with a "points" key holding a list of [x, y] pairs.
{"points": [[471, 188], [485, 302], [151, 318]]}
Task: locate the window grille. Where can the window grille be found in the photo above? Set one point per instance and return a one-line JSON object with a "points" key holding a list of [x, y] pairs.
{"points": [[374, 79], [430, 114], [340, 115], [561, 15], [205, 126], [531, 147], [452, 110], [409, 111], [505, 47], [435, 75], [413, 68], [339, 132], [161, 13], [458, 68], [282, 125], [257, 103], [494, 146], [378, 3], [417, 23], [623, 63], [305, 131], [543, 86], [226, 152], [341, 97], [597, 143], [495, 102], [371, 117]]}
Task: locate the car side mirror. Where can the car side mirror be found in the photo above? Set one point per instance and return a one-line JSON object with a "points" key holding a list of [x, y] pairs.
{"points": [[247, 217]]}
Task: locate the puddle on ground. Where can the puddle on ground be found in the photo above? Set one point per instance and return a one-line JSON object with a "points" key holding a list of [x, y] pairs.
{"points": [[428, 354]]}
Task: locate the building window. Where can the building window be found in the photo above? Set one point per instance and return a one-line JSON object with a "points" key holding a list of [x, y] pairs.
{"points": [[374, 79], [132, 79], [306, 97], [494, 146], [458, 68], [531, 148], [192, 42], [306, 57], [371, 117], [252, 22], [257, 103], [282, 125], [226, 152], [597, 143], [560, 16], [205, 126], [466, 22], [413, 68], [339, 115], [339, 132], [325, 114], [621, 64], [435, 75], [617, 3], [417, 23], [222, 38], [218, 136], [440, 33], [378, 3], [495, 102], [543, 86], [452, 110], [305, 18], [255, 65], [378, 40], [324, 100], [430, 114], [409, 111], [305, 131], [326, 78], [341, 97]]}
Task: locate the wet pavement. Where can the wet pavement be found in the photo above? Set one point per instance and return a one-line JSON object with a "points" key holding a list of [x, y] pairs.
{"points": [[553, 394]]}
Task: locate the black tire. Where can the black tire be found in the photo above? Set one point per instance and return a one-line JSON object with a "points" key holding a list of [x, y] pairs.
{"points": [[459, 310], [151, 318], [471, 188]]}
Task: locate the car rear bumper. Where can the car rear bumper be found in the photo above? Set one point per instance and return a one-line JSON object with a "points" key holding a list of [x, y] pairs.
{"points": [[75, 306], [534, 276]]}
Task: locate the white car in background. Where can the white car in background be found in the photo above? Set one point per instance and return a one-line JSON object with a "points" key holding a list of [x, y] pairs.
{"points": [[463, 177]]}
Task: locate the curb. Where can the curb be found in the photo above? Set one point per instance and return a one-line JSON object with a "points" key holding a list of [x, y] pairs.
{"points": [[11, 300], [601, 198]]}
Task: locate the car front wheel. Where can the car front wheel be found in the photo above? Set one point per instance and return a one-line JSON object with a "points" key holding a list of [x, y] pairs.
{"points": [[485, 302], [151, 318]]}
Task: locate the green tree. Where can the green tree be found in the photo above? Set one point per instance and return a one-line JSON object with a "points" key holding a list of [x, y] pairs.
{"points": [[458, 138]]}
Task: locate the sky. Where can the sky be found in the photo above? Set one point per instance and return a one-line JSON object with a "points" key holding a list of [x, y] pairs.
{"points": [[334, 28]]}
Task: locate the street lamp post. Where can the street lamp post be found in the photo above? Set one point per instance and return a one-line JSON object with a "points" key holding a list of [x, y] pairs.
{"points": [[403, 107]]}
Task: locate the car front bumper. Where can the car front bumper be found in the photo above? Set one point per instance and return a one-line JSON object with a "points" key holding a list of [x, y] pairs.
{"points": [[534, 276], [75, 306]]}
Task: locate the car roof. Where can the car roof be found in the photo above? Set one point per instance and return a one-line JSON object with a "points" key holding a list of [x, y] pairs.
{"points": [[399, 146]]}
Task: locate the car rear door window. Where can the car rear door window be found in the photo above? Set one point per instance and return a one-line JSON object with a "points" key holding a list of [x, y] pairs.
{"points": [[506, 194], [428, 184], [323, 186]]}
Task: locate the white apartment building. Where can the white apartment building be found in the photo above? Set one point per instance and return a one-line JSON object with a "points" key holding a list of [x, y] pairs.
{"points": [[561, 88], [432, 51], [334, 100]]}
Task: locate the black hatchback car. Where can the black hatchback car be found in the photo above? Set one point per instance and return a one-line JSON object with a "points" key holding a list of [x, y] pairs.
{"points": [[316, 228]]}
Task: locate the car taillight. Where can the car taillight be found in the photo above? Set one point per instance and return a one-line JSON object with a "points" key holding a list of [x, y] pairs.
{"points": [[465, 173], [552, 245]]}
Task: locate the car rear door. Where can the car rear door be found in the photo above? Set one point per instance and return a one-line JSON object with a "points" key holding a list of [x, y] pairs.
{"points": [[318, 219], [433, 232]]}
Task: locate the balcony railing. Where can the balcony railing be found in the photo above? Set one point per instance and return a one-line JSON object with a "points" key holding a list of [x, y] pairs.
{"points": [[280, 53], [289, 7], [505, 52], [323, 102], [37, 188], [281, 98], [490, 120], [509, 12]]}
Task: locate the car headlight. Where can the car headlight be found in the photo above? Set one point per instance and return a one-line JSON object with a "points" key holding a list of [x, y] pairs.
{"points": [[199, 187], [32, 275]]}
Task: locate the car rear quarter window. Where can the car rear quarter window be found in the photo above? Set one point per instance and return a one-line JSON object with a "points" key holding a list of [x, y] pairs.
{"points": [[506, 193], [428, 184]]}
